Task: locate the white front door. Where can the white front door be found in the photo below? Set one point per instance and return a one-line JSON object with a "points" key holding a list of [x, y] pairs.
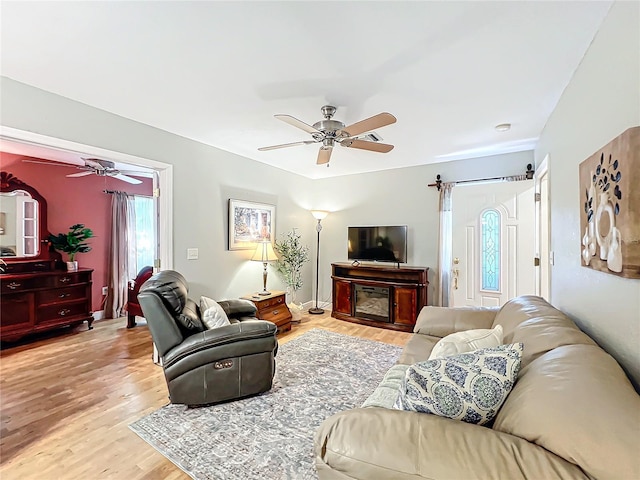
{"points": [[493, 243]]}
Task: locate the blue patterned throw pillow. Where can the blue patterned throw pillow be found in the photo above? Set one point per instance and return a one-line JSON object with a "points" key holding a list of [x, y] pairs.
{"points": [[470, 386]]}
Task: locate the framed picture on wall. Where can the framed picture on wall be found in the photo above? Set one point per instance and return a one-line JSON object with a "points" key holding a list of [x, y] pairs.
{"points": [[610, 207], [250, 223]]}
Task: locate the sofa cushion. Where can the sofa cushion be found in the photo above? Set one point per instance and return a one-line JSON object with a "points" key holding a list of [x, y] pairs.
{"points": [[469, 386], [238, 307], [386, 394], [540, 326], [467, 341], [213, 315], [576, 402], [382, 444], [189, 319], [442, 321], [417, 349]]}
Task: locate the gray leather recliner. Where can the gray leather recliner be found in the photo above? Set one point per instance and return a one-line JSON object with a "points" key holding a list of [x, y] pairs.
{"points": [[208, 366]]}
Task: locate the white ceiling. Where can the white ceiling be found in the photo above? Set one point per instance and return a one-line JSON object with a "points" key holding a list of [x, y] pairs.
{"points": [[217, 72]]}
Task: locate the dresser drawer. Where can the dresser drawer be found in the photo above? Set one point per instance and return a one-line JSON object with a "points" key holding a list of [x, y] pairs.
{"points": [[17, 311], [271, 302], [277, 314], [68, 279], [56, 313], [18, 285], [62, 294]]}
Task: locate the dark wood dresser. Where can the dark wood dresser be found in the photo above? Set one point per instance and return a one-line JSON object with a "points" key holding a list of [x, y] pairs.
{"points": [[35, 294], [36, 301], [272, 307]]}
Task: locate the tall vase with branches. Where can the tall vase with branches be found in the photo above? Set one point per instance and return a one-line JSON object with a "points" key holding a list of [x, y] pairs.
{"points": [[292, 255]]}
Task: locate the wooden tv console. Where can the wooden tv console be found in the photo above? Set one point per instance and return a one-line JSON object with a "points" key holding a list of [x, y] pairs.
{"points": [[380, 296]]}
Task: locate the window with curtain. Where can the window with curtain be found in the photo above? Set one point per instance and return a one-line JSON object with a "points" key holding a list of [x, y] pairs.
{"points": [[145, 232], [490, 245]]}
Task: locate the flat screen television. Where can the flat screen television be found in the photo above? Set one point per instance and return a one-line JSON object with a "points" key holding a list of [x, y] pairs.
{"points": [[378, 244]]}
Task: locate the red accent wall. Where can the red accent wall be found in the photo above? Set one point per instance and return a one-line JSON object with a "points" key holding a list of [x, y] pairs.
{"points": [[77, 200]]}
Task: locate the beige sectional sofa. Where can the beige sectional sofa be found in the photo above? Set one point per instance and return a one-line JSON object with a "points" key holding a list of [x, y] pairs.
{"points": [[572, 413]]}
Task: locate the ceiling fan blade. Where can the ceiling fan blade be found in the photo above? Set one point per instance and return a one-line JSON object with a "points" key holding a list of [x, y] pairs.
{"points": [[368, 124], [366, 145], [26, 160], [80, 174], [136, 173], [297, 123], [324, 155], [127, 179], [273, 147]]}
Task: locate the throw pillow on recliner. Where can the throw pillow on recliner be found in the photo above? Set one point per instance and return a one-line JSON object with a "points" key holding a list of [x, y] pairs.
{"points": [[213, 315], [471, 386]]}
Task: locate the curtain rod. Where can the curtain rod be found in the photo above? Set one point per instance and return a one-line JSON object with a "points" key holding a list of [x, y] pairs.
{"points": [[111, 192], [115, 191], [529, 174]]}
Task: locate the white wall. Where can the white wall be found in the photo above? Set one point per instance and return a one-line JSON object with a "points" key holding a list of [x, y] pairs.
{"points": [[204, 179], [601, 101], [397, 197]]}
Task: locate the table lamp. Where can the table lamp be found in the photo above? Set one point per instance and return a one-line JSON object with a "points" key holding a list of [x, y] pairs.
{"points": [[264, 253]]}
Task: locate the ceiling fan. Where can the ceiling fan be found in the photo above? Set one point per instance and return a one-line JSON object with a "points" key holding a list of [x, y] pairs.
{"points": [[329, 132], [102, 168]]}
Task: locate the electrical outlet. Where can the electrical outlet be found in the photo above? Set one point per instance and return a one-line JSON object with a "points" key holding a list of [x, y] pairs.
{"points": [[105, 290], [192, 253]]}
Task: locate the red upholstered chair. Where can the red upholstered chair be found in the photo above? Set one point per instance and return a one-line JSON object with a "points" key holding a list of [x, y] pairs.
{"points": [[133, 307]]}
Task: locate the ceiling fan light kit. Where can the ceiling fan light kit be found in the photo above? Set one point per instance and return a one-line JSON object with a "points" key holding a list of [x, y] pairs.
{"points": [[330, 131]]}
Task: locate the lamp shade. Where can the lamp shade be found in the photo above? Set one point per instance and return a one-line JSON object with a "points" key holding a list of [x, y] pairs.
{"points": [[319, 214], [264, 252]]}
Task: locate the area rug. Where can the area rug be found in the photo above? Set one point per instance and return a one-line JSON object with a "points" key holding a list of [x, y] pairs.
{"points": [[270, 436]]}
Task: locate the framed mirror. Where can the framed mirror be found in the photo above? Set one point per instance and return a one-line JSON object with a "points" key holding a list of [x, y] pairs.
{"points": [[19, 232], [23, 221]]}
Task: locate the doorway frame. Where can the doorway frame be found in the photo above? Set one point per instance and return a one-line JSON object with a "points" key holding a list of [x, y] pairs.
{"points": [[541, 240], [163, 170]]}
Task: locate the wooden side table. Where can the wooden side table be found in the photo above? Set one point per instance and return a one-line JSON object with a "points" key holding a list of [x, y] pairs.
{"points": [[272, 307]]}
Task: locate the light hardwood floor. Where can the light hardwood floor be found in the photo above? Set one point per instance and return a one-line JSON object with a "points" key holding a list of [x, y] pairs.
{"points": [[66, 401]]}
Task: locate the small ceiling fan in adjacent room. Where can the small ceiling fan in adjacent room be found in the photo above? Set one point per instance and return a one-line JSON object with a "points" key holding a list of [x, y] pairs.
{"points": [[329, 132], [94, 166]]}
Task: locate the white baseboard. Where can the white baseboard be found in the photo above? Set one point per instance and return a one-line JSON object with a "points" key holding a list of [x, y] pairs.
{"points": [[99, 315], [311, 304]]}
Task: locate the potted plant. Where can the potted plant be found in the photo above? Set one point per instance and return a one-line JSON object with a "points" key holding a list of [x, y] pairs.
{"points": [[292, 256], [72, 243]]}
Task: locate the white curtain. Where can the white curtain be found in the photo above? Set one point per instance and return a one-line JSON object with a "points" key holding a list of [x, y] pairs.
{"points": [[445, 245], [122, 250]]}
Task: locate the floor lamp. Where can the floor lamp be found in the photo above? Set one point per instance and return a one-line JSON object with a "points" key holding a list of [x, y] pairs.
{"points": [[319, 215]]}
